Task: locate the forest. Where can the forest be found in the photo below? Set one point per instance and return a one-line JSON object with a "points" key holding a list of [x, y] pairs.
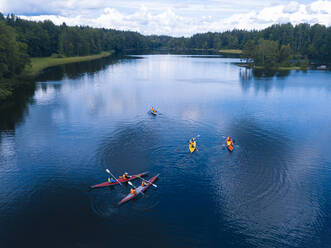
{"points": [[276, 45]]}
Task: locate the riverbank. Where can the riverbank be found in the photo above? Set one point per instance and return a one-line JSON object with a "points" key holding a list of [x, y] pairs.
{"points": [[8, 89], [280, 68], [38, 64]]}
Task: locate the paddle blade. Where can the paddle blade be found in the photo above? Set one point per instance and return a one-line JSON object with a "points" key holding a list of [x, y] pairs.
{"points": [[131, 184]]}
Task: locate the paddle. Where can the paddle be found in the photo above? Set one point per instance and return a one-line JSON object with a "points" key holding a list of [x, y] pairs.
{"points": [[131, 184], [154, 185], [194, 138], [108, 171]]}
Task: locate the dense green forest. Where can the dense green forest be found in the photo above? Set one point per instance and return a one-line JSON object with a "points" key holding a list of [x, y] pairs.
{"points": [[276, 45]]}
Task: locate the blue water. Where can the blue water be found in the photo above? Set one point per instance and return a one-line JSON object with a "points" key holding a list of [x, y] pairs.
{"points": [[274, 190]]}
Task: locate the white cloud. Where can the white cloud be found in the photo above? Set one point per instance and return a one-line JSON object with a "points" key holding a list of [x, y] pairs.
{"points": [[292, 7], [176, 21]]}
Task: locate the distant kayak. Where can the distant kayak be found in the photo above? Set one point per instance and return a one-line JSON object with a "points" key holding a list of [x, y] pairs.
{"points": [[121, 180], [192, 146], [138, 190], [229, 144], [153, 111]]}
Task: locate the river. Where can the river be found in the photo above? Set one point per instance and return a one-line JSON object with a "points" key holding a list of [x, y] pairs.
{"points": [[273, 190]]}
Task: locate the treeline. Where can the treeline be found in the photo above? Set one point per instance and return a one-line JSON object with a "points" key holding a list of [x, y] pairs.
{"points": [[45, 38], [270, 54], [21, 39], [314, 42], [13, 58]]}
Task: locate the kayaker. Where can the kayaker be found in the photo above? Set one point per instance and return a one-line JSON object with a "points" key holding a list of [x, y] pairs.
{"points": [[125, 176], [143, 183], [132, 191], [111, 180]]}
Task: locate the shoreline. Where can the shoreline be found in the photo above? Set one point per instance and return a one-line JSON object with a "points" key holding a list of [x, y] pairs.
{"points": [[230, 51], [8, 90], [281, 68], [41, 63]]}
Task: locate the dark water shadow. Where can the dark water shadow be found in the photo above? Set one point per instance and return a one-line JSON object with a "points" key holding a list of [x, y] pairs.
{"points": [[77, 70], [13, 111], [263, 80]]}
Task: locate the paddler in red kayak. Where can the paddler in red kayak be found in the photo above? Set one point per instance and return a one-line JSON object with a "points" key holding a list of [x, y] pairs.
{"points": [[125, 176], [111, 180]]}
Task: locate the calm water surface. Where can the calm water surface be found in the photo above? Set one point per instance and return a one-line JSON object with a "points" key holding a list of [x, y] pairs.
{"points": [[274, 190]]}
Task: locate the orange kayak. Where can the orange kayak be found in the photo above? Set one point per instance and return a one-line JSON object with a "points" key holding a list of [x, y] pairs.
{"points": [[229, 145]]}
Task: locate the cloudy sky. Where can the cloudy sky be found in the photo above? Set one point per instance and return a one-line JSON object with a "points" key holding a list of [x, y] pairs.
{"points": [[172, 17]]}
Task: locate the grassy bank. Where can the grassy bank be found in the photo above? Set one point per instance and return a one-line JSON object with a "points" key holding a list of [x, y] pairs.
{"points": [[231, 51], [38, 64]]}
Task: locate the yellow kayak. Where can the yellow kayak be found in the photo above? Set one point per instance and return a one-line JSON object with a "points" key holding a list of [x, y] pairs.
{"points": [[192, 146]]}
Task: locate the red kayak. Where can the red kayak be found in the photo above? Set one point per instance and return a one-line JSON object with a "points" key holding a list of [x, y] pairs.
{"points": [[139, 190], [121, 180]]}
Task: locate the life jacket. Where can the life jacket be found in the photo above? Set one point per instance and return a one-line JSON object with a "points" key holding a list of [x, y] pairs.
{"points": [[132, 191], [125, 176]]}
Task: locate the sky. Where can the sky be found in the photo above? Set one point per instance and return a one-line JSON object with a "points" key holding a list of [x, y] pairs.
{"points": [[172, 17]]}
